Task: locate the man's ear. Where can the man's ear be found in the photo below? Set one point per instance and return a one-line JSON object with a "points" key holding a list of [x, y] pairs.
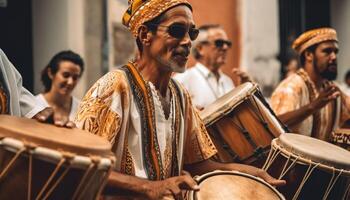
{"points": [[200, 48], [49, 73], [309, 56], [145, 35]]}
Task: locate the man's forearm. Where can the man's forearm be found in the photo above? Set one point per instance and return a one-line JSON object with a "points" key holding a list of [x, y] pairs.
{"points": [[295, 117], [121, 184]]}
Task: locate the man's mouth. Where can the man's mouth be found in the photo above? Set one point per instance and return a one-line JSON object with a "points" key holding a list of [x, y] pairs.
{"points": [[184, 52], [332, 67]]}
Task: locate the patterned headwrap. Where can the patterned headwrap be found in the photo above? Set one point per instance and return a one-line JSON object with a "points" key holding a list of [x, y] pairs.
{"points": [[313, 37], [141, 11]]}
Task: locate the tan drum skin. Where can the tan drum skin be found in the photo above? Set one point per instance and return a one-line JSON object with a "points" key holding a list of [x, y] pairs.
{"points": [[223, 185], [41, 161]]}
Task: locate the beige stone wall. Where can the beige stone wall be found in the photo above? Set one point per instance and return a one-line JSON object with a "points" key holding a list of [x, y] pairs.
{"points": [[93, 29], [340, 15], [260, 42], [122, 45], [75, 25]]}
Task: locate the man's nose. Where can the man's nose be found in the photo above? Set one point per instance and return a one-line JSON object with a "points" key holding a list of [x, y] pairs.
{"points": [[333, 56], [187, 40], [70, 81]]}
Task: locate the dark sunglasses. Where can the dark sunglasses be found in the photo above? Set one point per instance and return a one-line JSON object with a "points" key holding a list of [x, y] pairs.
{"points": [[178, 30], [219, 43]]}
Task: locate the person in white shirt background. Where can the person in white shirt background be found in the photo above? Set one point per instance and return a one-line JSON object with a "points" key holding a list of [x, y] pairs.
{"points": [[59, 78], [205, 81]]}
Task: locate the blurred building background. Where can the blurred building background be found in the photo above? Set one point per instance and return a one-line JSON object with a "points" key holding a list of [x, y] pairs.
{"points": [[32, 31]]}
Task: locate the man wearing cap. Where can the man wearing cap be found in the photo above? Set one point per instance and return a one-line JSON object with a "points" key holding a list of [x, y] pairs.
{"points": [[205, 81], [148, 118], [308, 101]]}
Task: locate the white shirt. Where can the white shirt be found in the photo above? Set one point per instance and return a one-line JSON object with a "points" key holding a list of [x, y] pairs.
{"points": [[73, 110], [164, 129], [21, 102], [203, 86]]}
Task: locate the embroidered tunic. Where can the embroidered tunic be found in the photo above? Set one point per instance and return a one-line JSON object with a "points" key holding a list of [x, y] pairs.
{"points": [[125, 109], [298, 90]]}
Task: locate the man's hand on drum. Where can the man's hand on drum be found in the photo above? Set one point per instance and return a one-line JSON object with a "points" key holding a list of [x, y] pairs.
{"points": [[170, 188], [48, 116], [258, 173], [269, 179]]}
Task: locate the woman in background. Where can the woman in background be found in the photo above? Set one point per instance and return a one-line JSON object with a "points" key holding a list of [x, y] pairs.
{"points": [[60, 77]]}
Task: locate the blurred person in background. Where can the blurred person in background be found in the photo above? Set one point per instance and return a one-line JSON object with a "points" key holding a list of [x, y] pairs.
{"points": [[292, 66], [59, 78], [17, 101], [345, 87], [308, 101], [205, 81]]}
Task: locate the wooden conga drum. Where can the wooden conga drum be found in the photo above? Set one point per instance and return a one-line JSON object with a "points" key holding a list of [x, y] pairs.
{"points": [[313, 169], [232, 185], [341, 137], [41, 161], [242, 125]]}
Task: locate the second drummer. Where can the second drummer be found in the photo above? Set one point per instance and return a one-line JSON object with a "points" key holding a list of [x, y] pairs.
{"points": [[308, 102]]}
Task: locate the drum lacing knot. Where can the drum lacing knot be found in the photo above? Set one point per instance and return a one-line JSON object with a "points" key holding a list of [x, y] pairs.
{"points": [[95, 159], [68, 156], [30, 146], [113, 159]]}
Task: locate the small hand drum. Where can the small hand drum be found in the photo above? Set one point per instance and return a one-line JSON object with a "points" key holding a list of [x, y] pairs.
{"points": [[41, 161], [232, 185]]}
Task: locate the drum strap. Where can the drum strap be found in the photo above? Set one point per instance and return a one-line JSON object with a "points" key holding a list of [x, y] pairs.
{"points": [[259, 95]]}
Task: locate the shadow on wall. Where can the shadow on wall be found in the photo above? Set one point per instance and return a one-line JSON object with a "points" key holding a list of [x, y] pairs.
{"points": [[124, 46]]}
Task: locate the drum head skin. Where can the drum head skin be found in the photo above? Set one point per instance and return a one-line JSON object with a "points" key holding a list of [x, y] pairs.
{"points": [[316, 150], [52, 137], [227, 103], [224, 185]]}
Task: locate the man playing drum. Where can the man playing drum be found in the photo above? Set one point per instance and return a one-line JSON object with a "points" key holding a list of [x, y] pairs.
{"points": [[18, 101], [205, 81], [308, 101], [149, 119]]}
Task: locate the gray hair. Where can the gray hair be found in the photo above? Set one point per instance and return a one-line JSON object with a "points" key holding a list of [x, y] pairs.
{"points": [[202, 37]]}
